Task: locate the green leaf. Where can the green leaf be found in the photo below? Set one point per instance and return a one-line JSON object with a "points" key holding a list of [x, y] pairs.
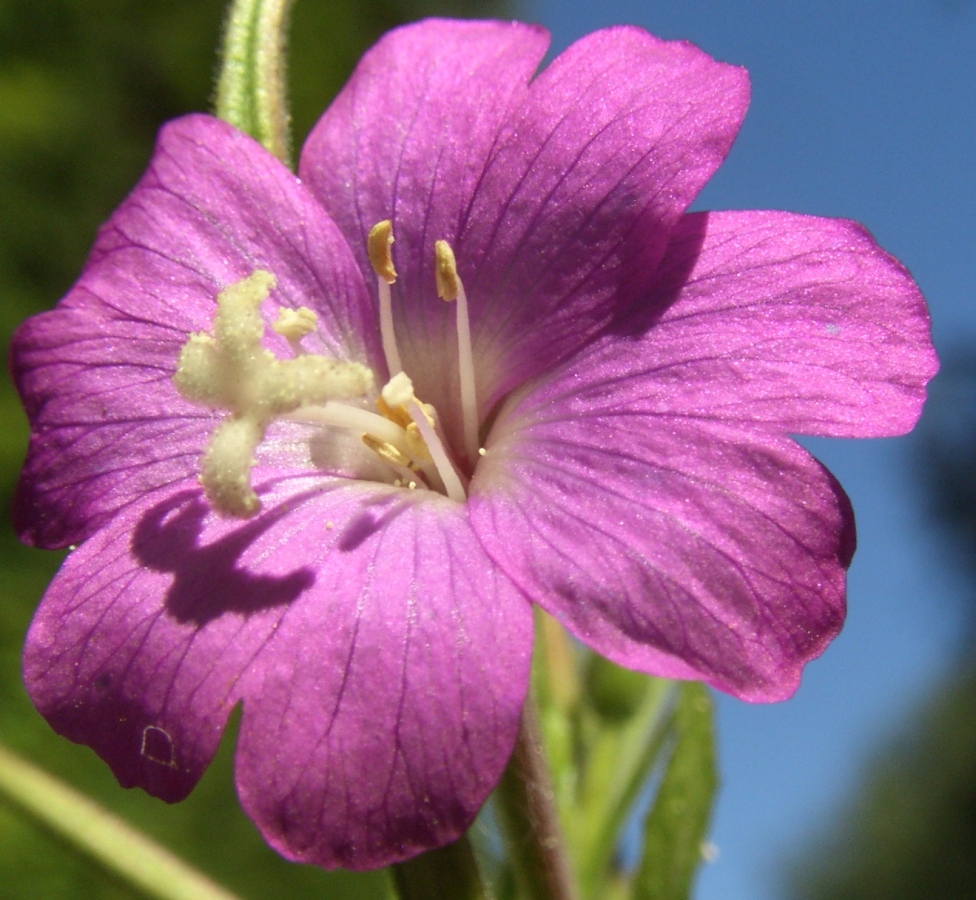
{"points": [[623, 747], [251, 83], [675, 831]]}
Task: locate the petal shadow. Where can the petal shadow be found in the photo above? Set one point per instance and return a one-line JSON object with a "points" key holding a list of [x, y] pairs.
{"points": [[207, 579], [679, 262]]}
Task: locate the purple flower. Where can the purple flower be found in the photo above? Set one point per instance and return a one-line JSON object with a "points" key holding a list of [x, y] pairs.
{"points": [[597, 421]]}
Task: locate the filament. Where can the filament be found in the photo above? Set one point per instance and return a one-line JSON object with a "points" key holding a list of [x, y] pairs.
{"points": [[442, 462]]}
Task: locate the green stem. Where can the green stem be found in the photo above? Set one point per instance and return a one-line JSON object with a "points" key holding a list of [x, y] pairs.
{"points": [[450, 871], [251, 84], [527, 809], [92, 830]]}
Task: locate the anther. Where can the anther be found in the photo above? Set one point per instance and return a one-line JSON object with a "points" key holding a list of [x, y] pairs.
{"points": [[445, 272], [387, 452], [378, 245], [398, 394]]}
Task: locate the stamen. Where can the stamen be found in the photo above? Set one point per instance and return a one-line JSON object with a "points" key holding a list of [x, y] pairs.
{"points": [[389, 454], [378, 246], [415, 441], [398, 391], [398, 394], [449, 287], [442, 462], [352, 418]]}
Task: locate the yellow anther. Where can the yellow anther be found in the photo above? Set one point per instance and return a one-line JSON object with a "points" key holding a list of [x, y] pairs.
{"points": [[416, 443], [387, 452], [294, 324], [394, 413], [445, 271], [378, 246]]}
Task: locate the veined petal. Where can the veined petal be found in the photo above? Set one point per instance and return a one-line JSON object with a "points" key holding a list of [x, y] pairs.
{"points": [[557, 197], [139, 644], [381, 659], [572, 216], [107, 425], [684, 549], [408, 137], [795, 323]]}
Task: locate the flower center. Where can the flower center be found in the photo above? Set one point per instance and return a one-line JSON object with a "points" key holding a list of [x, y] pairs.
{"points": [[231, 370]]}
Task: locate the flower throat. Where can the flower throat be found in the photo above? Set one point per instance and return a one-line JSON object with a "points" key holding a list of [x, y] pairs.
{"points": [[231, 370]]}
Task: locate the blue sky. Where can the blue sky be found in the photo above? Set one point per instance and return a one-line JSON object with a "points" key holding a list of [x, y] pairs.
{"points": [[865, 110]]}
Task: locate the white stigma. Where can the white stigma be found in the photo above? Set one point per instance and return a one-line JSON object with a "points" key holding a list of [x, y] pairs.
{"points": [[231, 370]]}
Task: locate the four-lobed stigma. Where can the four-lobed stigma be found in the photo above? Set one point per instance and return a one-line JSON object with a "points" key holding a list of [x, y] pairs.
{"points": [[231, 370]]}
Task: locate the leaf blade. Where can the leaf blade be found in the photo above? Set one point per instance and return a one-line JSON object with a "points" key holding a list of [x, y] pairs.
{"points": [[675, 830]]}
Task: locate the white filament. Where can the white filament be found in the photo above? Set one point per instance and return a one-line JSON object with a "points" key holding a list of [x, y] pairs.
{"points": [[469, 400], [386, 329], [442, 461]]}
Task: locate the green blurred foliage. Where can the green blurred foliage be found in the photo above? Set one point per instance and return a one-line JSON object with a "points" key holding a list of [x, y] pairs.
{"points": [[628, 753], [677, 826], [84, 86]]}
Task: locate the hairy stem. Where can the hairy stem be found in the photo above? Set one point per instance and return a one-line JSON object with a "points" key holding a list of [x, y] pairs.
{"points": [[527, 808], [251, 85]]}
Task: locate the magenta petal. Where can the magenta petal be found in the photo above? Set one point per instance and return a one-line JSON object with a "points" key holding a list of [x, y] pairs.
{"points": [[381, 658], [139, 644], [557, 196], [574, 211], [797, 323], [387, 709], [107, 424], [407, 138], [683, 549]]}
